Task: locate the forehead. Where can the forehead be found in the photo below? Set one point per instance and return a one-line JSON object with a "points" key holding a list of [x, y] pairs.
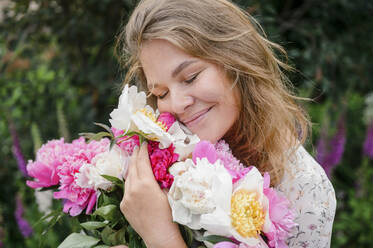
{"points": [[160, 60]]}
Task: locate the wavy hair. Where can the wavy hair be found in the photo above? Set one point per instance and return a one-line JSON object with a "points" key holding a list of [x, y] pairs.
{"points": [[271, 124]]}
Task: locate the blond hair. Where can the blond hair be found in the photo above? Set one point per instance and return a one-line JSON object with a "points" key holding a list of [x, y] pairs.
{"points": [[270, 122]]}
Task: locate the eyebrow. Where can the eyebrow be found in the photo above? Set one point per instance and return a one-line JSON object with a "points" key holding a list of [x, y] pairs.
{"points": [[177, 70], [182, 66]]}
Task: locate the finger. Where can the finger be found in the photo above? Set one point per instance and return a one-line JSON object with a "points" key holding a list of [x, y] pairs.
{"points": [[125, 173], [119, 246], [143, 166], [131, 171]]}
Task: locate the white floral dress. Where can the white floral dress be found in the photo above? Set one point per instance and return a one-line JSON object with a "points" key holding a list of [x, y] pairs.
{"points": [[312, 195]]}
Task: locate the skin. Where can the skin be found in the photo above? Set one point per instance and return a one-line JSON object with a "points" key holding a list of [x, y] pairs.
{"points": [[143, 196], [200, 95]]}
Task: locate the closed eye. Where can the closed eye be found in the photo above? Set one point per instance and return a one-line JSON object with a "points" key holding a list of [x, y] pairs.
{"points": [[192, 78], [163, 95]]}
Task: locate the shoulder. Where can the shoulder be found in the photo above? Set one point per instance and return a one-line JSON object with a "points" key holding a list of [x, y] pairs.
{"points": [[312, 196], [303, 175]]}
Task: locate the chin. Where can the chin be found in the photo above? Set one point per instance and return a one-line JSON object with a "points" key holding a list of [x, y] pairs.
{"points": [[211, 138]]}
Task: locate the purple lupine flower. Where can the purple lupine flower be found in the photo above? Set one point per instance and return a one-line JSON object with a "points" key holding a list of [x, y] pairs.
{"points": [[368, 143], [16, 149], [330, 152], [23, 225], [337, 144]]}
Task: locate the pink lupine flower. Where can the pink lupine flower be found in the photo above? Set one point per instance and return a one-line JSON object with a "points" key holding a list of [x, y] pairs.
{"points": [[44, 168], [161, 160], [166, 118], [280, 214]]}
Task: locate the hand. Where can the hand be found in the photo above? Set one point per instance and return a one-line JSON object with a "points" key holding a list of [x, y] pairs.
{"points": [[145, 205]]}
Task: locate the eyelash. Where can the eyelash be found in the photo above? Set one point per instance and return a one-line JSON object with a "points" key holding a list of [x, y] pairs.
{"points": [[189, 81], [192, 79]]}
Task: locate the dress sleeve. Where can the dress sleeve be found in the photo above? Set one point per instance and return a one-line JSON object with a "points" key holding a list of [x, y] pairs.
{"points": [[312, 196]]}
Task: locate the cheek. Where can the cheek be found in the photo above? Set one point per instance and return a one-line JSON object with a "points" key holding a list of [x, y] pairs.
{"points": [[163, 106]]}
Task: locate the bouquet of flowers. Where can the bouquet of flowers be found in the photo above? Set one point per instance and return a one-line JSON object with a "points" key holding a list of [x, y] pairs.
{"points": [[216, 200]]}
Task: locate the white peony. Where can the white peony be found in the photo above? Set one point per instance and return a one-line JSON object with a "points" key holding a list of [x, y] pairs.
{"points": [[184, 140], [113, 163], [247, 213], [198, 190], [130, 101], [133, 114], [145, 121]]}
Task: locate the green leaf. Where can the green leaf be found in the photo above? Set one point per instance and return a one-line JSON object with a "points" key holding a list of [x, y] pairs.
{"points": [[101, 246], [87, 135], [105, 234], [135, 240], [106, 127], [100, 135], [108, 212], [54, 187], [112, 143], [51, 215], [187, 234], [118, 237], [93, 225], [114, 180], [215, 239], [108, 198], [52, 222], [141, 139], [77, 240], [95, 136]]}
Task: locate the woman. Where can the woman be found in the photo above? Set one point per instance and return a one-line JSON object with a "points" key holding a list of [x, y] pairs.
{"points": [[206, 62]]}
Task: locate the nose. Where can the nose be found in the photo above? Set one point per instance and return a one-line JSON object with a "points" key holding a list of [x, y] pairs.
{"points": [[181, 100]]}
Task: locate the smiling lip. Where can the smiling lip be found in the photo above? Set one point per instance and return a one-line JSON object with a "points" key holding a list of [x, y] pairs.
{"points": [[196, 118]]}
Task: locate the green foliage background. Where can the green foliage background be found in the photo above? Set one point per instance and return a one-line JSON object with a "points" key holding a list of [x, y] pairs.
{"points": [[58, 75]]}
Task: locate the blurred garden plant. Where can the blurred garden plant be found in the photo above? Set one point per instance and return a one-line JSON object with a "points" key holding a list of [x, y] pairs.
{"points": [[60, 51]]}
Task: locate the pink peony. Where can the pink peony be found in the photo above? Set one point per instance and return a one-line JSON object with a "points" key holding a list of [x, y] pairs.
{"points": [[204, 149], [78, 153], [166, 118], [225, 244], [161, 160], [125, 143], [280, 214], [221, 151], [44, 168], [232, 164]]}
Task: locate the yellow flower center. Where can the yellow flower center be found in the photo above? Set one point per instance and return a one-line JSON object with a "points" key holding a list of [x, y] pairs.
{"points": [[246, 213], [152, 117]]}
